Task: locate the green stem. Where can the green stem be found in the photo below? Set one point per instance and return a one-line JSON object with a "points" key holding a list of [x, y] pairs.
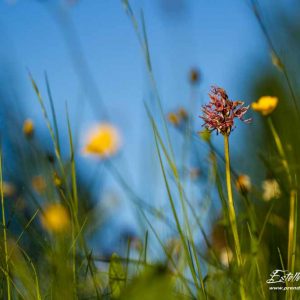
{"points": [[292, 236], [232, 215], [293, 200], [292, 231], [4, 232], [280, 149]]}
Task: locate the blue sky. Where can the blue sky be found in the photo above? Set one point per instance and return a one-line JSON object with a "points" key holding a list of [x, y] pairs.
{"points": [[219, 37]]}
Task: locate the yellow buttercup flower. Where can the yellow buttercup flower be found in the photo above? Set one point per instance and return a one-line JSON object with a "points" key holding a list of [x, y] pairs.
{"points": [[265, 105], [103, 141], [55, 218], [28, 128]]}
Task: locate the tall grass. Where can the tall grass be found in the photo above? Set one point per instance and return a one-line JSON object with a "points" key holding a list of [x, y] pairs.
{"points": [[231, 258], [6, 271]]}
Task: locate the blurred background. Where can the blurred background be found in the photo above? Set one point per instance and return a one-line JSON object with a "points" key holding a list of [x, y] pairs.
{"points": [[94, 64]]}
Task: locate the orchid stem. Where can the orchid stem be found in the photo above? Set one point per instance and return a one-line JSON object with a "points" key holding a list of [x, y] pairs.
{"points": [[232, 215]]}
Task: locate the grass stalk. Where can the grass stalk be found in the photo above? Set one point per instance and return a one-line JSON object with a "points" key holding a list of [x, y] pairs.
{"points": [[232, 214], [292, 230], [4, 232], [172, 165], [292, 243]]}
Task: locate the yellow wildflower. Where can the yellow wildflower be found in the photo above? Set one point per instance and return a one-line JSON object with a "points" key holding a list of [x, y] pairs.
{"points": [[265, 105], [103, 141], [243, 184], [55, 218], [28, 128]]}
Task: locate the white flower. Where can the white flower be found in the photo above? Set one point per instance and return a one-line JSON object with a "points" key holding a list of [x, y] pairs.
{"points": [[271, 189], [225, 256]]}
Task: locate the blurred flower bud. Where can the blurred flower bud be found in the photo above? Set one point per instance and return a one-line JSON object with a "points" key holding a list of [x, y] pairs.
{"points": [[194, 173], [194, 76], [28, 128], [182, 113], [173, 119], [243, 184], [9, 189], [39, 184], [57, 180], [271, 189]]}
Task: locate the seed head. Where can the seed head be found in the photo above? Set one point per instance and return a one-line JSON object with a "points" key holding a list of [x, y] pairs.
{"points": [[28, 128]]}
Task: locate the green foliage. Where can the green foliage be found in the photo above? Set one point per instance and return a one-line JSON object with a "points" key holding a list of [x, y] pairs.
{"points": [[116, 276]]}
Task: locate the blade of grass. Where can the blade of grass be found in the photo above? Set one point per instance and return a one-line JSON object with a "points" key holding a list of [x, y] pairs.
{"points": [[179, 228], [74, 191], [275, 54], [36, 278], [145, 247], [75, 212], [52, 112], [256, 260], [182, 200], [23, 231], [143, 41], [12, 282], [4, 232]]}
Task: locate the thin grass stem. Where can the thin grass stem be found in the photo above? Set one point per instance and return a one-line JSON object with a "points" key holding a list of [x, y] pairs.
{"points": [[4, 232], [232, 214]]}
